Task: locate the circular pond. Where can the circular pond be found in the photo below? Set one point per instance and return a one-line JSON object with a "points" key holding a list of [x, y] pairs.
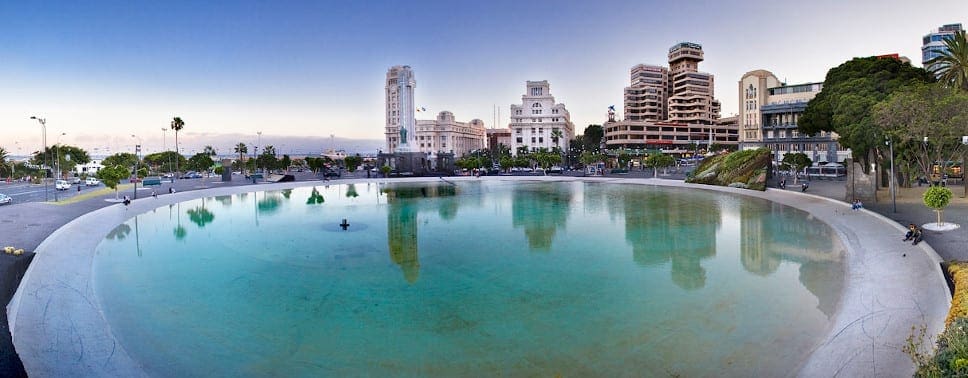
{"points": [[479, 278]]}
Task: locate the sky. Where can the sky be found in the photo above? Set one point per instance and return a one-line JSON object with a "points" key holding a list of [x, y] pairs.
{"points": [[310, 74]]}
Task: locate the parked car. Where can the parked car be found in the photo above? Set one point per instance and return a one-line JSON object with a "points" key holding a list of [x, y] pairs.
{"points": [[62, 185], [191, 175], [75, 180], [5, 199], [92, 181]]}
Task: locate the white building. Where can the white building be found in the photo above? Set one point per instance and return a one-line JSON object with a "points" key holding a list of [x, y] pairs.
{"points": [[538, 121], [90, 168], [445, 134]]}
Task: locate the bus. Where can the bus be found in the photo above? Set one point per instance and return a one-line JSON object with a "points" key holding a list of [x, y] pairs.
{"points": [[829, 171]]}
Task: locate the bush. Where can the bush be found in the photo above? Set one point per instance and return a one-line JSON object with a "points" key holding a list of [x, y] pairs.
{"points": [[959, 301], [951, 357]]}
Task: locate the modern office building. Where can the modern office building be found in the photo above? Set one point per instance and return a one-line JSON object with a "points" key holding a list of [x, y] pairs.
{"points": [[444, 134], [932, 44], [690, 91], [646, 99], [671, 109], [538, 121], [775, 108]]}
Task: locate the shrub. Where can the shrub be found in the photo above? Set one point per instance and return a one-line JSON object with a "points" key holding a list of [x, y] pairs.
{"points": [[959, 300]]}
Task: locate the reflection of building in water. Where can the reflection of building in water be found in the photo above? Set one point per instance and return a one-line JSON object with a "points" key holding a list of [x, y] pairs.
{"points": [[766, 241], [402, 210], [540, 209], [663, 227]]}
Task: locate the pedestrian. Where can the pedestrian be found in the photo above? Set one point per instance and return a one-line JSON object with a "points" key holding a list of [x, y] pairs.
{"points": [[857, 205], [804, 186], [153, 194], [127, 201], [171, 190]]}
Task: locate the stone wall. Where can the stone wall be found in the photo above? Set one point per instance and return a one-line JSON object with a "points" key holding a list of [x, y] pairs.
{"points": [[860, 185]]}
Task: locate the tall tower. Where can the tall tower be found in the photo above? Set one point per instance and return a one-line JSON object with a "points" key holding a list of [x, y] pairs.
{"points": [[645, 98], [400, 130], [690, 91]]}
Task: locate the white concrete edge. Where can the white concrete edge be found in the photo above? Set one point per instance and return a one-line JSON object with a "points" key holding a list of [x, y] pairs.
{"points": [[141, 205]]}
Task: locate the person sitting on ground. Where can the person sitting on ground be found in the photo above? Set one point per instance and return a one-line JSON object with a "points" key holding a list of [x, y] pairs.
{"points": [[914, 233], [127, 201], [857, 205]]}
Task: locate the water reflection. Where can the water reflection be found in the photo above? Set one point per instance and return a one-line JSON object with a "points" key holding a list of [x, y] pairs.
{"points": [[224, 200], [120, 232], [403, 204], [662, 227], [351, 191], [315, 198], [179, 231], [765, 244], [540, 209]]}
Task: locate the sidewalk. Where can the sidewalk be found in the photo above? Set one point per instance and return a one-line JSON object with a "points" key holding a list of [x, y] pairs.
{"points": [[950, 245]]}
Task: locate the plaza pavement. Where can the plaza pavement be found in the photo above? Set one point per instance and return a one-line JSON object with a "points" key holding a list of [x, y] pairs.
{"points": [[890, 286]]}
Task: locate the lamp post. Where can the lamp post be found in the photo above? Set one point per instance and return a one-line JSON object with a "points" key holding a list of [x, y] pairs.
{"points": [[57, 165], [43, 127], [137, 163], [257, 147], [890, 143], [164, 141], [964, 176]]}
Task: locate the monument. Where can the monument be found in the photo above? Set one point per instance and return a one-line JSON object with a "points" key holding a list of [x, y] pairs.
{"points": [[405, 159]]}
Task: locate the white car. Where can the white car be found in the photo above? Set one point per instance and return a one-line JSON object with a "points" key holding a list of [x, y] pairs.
{"points": [[92, 181], [5, 199], [62, 185]]}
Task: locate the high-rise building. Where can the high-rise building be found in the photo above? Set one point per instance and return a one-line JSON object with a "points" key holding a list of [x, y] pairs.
{"points": [[932, 45], [646, 97], [690, 91], [539, 122], [400, 109]]}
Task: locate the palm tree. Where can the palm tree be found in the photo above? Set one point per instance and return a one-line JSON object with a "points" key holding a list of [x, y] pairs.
{"points": [[951, 67], [3, 158], [210, 151], [177, 124], [241, 149]]}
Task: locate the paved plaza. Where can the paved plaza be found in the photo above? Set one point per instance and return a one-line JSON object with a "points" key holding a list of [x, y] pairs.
{"points": [[889, 286]]}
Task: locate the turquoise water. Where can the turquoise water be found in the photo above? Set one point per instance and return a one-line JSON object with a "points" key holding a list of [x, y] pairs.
{"points": [[485, 278]]}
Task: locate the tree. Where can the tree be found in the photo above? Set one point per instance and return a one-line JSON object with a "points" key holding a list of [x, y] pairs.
{"points": [[797, 162], [285, 162], [267, 159], [164, 161], [926, 123], [177, 124], [241, 149], [849, 93], [112, 175], [575, 148], [124, 159], [660, 160], [507, 162], [352, 162], [937, 198], [556, 136], [951, 67], [200, 162], [3, 159], [592, 137], [210, 151]]}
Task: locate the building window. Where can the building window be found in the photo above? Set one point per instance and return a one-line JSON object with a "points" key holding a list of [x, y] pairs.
{"points": [[532, 139], [540, 140], [519, 140], [517, 131], [554, 111]]}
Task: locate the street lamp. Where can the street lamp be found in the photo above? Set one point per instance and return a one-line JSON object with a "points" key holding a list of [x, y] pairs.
{"points": [[257, 147], [43, 126], [891, 179], [137, 162], [164, 141]]}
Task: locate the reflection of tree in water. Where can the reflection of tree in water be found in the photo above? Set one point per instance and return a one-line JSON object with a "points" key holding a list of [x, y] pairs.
{"points": [[200, 216], [663, 226], [269, 203], [781, 233], [540, 209], [179, 231], [315, 198], [119, 232], [286, 193], [403, 206], [351, 191], [224, 200]]}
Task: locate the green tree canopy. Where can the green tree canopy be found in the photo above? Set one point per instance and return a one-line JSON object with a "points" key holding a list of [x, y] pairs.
{"points": [[797, 162], [656, 161], [352, 162], [124, 159], [926, 123], [112, 175], [937, 198], [849, 93], [592, 137], [200, 162], [165, 161]]}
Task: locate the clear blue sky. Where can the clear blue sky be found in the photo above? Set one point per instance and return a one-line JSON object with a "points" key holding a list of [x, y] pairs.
{"points": [[104, 70]]}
